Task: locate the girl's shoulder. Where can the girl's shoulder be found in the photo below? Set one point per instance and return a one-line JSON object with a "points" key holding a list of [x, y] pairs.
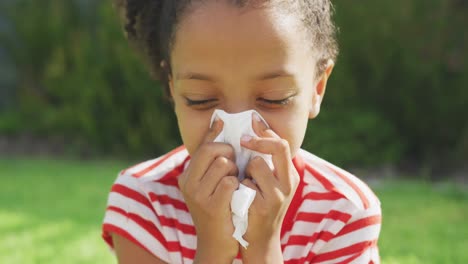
{"points": [[144, 205], [165, 167], [323, 176]]}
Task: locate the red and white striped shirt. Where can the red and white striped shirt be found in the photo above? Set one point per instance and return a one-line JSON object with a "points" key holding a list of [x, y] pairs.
{"points": [[333, 218]]}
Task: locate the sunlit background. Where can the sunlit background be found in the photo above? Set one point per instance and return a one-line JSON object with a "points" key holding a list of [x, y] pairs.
{"points": [[77, 106]]}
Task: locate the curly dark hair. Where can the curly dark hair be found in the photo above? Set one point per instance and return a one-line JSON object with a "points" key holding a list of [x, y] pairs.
{"points": [[150, 26]]}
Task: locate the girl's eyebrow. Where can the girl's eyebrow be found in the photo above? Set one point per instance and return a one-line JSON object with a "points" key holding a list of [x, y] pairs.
{"points": [[275, 74], [262, 77], [194, 76]]}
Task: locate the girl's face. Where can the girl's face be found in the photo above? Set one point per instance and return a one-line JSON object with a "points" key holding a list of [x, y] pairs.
{"points": [[237, 60]]}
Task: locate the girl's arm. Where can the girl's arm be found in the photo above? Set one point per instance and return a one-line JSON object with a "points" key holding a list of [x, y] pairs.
{"points": [[275, 190], [127, 252], [207, 188]]}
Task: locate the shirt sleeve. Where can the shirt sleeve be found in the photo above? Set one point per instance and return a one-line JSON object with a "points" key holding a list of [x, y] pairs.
{"points": [[130, 214], [355, 242]]}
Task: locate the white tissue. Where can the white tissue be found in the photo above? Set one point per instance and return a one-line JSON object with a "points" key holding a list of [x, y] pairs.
{"points": [[235, 126], [242, 198]]}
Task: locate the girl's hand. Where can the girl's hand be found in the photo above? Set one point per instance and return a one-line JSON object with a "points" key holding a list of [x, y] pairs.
{"points": [[207, 186], [275, 190]]}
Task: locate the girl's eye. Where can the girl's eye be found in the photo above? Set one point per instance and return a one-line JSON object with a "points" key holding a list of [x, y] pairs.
{"points": [[199, 102], [279, 102]]}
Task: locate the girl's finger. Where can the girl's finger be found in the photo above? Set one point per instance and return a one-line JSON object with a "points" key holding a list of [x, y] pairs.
{"points": [[259, 195], [220, 168], [214, 130], [223, 191], [261, 128], [279, 151], [259, 171], [211, 135], [205, 155], [249, 183]]}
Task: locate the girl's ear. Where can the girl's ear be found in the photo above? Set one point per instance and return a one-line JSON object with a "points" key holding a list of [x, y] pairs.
{"points": [[319, 91], [171, 86], [170, 81]]}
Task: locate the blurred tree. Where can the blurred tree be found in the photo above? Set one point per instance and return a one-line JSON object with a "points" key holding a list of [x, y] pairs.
{"points": [[404, 62], [79, 79]]}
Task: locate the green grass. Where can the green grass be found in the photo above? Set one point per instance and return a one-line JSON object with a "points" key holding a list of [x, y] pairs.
{"points": [[51, 212], [423, 223]]}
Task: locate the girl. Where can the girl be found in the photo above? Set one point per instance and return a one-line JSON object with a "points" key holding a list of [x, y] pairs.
{"points": [[275, 57]]}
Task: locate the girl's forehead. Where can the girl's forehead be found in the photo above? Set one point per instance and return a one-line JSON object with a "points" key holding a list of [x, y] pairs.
{"points": [[218, 32], [222, 12]]}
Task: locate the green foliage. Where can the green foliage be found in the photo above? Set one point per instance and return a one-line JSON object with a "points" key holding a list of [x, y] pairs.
{"points": [[403, 66], [397, 92], [353, 136], [81, 79]]}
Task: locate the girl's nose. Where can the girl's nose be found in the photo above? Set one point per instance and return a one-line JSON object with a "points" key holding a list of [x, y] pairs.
{"points": [[237, 110], [236, 106]]}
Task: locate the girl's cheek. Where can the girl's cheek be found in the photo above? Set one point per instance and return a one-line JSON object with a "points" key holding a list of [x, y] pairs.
{"points": [[193, 127], [289, 125]]}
